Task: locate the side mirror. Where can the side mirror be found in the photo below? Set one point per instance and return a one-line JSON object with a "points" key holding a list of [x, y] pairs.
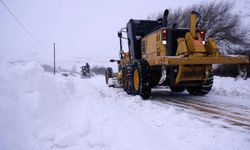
{"points": [[112, 60], [119, 34]]}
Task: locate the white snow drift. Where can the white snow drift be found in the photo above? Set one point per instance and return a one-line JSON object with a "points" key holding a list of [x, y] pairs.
{"points": [[41, 111]]}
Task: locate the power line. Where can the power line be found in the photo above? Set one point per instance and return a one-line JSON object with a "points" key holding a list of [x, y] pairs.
{"points": [[23, 27]]}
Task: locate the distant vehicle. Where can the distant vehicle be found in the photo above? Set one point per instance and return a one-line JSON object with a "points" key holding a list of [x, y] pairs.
{"points": [[85, 71]]}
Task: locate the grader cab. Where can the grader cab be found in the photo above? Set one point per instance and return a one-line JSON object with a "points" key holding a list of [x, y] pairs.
{"points": [[162, 54]]}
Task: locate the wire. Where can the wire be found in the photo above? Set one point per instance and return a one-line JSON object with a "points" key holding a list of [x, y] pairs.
{"points": [[23, 27]]}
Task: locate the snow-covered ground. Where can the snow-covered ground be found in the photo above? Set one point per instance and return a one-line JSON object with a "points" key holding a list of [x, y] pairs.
{"points": [[41, 111]]}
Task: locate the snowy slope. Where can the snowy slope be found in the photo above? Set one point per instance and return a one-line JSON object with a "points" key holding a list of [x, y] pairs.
{"points": [[41, 111]]}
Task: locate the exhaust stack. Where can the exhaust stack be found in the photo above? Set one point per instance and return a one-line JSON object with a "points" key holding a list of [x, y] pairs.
{"points": [[165, 18]]}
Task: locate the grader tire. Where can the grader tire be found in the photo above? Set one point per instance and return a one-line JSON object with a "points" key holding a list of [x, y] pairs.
{"points": [[140, 79], [204, 89], [126, 75], [124, 79], [108, 74]]}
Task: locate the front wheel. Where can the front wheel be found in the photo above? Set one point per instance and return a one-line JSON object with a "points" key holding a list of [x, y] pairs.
{"points": [[126, 75], [108, 74]]}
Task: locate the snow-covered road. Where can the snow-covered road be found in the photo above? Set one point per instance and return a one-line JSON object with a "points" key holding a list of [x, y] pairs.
{"points": [[231, 114], [41, 111]]}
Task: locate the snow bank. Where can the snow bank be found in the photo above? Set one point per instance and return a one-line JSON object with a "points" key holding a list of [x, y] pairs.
{"points": [[27, 95], [41, 111], [227, 86]]}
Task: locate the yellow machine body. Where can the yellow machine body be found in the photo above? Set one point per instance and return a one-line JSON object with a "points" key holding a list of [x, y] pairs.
{"points": [[160, 54], [194, 57]]}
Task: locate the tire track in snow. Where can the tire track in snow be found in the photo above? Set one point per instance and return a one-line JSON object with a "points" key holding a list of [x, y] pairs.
{"points": [[234, 118], [233, 114]]}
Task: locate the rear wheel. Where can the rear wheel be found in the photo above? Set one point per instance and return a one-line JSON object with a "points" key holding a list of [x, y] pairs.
{"points": [[140, 79], [204, 89]]}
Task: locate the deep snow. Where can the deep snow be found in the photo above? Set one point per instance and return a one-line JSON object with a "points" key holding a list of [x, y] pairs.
{"points": [[41, 111]]}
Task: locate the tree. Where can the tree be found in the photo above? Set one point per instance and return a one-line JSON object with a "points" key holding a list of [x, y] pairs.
{"points": [[220, 22]]}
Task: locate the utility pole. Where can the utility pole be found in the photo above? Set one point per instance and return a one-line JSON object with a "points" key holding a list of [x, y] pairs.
{"points": [[54, 58]]}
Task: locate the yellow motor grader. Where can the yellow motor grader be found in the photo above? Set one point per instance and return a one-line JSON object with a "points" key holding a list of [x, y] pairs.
{"points": [[162, 54]]}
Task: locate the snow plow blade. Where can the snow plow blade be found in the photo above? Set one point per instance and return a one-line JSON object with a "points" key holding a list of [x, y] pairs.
{"points": [[176, 60]]}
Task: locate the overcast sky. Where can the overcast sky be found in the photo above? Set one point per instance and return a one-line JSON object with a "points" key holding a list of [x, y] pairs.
{"points": [[79, 27]]}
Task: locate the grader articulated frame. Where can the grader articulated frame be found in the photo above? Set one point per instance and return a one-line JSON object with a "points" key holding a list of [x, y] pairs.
{"points": [[162, 54]]}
